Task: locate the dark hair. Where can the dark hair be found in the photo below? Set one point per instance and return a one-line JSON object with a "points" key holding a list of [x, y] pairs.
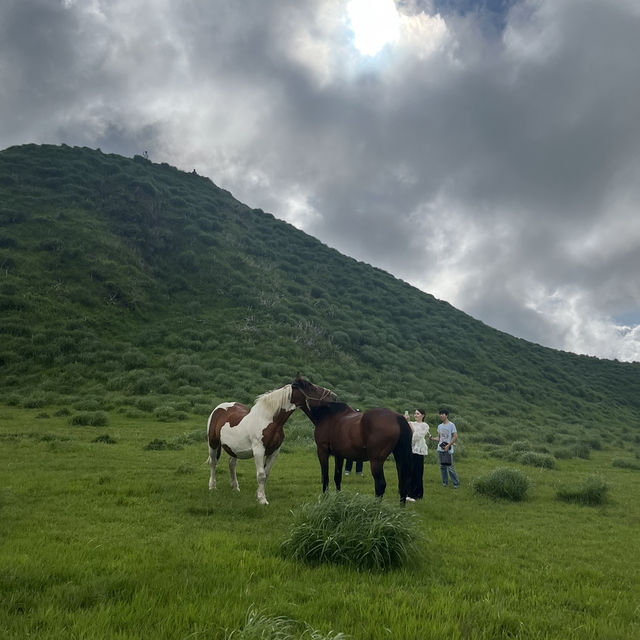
{"points": [[422, 411], [445, 411]]}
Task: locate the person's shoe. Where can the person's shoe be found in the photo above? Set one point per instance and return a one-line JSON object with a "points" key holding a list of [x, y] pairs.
{"points": [[410, 499], [358, 473], [346, 473]]}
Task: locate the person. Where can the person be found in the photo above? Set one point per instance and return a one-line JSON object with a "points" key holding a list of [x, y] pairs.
{"points": [[349, 464], [419, 450], [447, 436]]}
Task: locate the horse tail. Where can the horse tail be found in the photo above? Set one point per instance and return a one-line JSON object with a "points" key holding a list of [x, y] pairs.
{"points": [[218, 452], [402, 455], [218, 449]]}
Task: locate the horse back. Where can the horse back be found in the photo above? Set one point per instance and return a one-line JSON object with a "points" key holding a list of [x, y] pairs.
{"points": [[341, 433], [381, 431], [228, 412]]}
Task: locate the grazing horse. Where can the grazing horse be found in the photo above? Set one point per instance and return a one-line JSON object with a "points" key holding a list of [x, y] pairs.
{"points": [[343, 432], [257, 432]]}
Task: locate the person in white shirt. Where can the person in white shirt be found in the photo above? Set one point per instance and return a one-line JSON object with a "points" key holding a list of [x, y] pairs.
{"points": [[419, 450]]}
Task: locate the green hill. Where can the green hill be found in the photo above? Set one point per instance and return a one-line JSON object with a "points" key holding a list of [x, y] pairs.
{"points": [[131, 286]]}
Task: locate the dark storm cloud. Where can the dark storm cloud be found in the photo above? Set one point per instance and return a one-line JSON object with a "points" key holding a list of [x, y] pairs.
{"points": [[490, 155]]}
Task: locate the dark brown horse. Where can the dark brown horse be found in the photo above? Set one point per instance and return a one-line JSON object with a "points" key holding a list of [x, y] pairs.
{"points": [[343, 432]]}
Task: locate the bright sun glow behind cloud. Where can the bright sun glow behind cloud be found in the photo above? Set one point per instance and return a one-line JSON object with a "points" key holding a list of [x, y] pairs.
{"points": [[374, 24]]}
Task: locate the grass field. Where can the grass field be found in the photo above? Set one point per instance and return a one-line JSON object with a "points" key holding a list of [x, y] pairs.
{"points": [[103, 539]]}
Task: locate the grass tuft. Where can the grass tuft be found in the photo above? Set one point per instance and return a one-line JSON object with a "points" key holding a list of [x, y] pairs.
{"points": [[508, 484], [105, 438], [158, 444], [535, 459], [592, 492], [626, 463], [352, 529], [90, 419], [259, 626]]}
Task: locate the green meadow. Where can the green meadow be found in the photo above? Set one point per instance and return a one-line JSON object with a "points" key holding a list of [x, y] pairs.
{"points": [[111, 532], [134, 297]]}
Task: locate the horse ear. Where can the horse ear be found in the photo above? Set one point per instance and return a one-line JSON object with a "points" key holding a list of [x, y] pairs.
{"points": [[299, 377]]}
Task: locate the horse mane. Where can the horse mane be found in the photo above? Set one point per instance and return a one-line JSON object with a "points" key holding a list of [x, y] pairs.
{"points": [[330, 409], [274, 401]]}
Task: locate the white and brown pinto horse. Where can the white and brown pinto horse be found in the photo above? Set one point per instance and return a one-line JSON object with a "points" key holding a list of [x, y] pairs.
{"points": [[257, 432]]}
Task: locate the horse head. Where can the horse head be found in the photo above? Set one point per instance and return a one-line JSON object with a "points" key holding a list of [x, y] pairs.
{"points": [[305, 393]]}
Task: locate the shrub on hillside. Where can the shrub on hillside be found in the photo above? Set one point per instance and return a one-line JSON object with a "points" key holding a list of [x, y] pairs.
{"points": [[36, 401], [191, 373], [352, 529], [534, 459], [87, 404], [563, 453], [626, 463], [158, 444], [520, 446], [134, 359], [509, 484], [194, 437], [592, 492], [90, 419], [169, 413]]}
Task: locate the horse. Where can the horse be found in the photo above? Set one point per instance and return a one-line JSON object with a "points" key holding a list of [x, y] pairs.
{"points": [[343, 432], [257, 432]]}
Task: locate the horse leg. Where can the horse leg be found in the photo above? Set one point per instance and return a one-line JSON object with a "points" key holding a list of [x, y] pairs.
{"points": [[404, 479], [270, 459], [268, 463], [232, 473], [214, 454], [337, 474], [261, 476], [323, 458], [377, 471]]}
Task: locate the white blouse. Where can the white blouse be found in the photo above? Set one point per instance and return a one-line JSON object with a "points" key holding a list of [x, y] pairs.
{"points": [[418, 442]]}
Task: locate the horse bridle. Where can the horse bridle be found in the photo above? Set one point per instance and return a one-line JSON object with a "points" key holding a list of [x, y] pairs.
{"points": [[326, 393]]}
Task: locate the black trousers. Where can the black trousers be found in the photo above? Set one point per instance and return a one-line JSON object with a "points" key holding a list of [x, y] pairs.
{"points": [[417, 471]]}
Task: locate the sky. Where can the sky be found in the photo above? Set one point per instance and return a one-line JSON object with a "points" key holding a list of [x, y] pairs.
{"points": [[487, 152]]}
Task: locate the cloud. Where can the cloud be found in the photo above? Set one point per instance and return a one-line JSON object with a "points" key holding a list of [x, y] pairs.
{"points": [[487, 153]]}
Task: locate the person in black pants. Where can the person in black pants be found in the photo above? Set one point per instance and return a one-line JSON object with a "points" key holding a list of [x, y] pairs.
{"points": [[349, 464], [418, 451]]}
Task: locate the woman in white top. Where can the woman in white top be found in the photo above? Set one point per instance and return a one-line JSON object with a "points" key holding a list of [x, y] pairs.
{"points": [[419, 450]]}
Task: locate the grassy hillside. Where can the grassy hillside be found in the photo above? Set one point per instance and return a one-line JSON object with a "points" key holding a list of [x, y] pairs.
{"points": [[132, 287]]}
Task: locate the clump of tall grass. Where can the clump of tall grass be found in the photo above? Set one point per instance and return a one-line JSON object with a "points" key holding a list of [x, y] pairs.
{"points": [[535, 459], [104, 438], [159, 444], [592, 492], [626, 463], [193, 437], [259, 626], [509, 484], [519, 446], [575, 450], [169, 413], [90, 419], [352, 529]]}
